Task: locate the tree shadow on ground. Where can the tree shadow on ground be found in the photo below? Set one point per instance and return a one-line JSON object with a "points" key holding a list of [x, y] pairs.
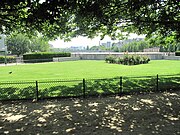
{"points": [[93, 87], [102, 86], [61, 91], [11, 93], [155, 113]]}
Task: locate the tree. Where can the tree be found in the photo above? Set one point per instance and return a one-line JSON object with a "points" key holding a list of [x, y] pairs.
{"points": [[166, 44], [95, 48], [39, 44], [69, 18], [18, 44], [135, 46], [87, 48]]}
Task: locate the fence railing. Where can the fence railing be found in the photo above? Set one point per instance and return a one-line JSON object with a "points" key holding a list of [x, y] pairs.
{"points": [[87, 87]]}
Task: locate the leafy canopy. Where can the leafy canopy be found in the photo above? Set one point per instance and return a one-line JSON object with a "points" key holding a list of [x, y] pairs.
{"points": [[70, 18], [19, 44]]}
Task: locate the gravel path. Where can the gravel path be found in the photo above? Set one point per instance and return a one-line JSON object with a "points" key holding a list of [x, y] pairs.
{"points": [[156, 113]]}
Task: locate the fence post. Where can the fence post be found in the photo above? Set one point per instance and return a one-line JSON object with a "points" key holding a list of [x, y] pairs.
{"points": [[157, 83], [121, 90], [84, 88], [37, 94]]}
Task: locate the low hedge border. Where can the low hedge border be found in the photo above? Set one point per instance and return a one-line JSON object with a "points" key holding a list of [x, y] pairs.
{"points": [[10, 59], [177, 53], [43, 56]]}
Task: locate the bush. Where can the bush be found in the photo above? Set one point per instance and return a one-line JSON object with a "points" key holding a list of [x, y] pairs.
{"points": [[119, 60], [43, 56], [177, 53], [145, 59], [110, 59], [10, 59], [125, 59], [137, 60], [128, 59]]}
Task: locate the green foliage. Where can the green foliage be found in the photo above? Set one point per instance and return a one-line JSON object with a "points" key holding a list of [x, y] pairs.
{"points": [[94, 48], [166, 43], [127, 59], [39, 44], [177, 53], [71, 18], [136, 46], [18, 44], [43, 56], [110, 59], [10, 59]]}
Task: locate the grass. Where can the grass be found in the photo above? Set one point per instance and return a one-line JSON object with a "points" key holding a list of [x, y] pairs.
{"points": [[69, 71], [86, 69]]}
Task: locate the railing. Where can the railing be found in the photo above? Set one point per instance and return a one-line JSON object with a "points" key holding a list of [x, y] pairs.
{"points": [[87, 87]]}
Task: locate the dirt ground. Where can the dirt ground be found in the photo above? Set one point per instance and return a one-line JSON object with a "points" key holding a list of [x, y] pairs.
{"points": [[155, 113]]}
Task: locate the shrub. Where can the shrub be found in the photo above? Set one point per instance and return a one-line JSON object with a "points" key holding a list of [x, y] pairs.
{"points": [[43, 56], [145, 59], [110, 59], [10, 59], [128, 59], [136, 59], [119, 60], [125, 59], [177, 53]]}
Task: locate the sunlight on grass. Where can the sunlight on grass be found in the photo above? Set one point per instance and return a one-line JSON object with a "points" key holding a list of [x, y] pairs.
{"points": [[85, 69]]}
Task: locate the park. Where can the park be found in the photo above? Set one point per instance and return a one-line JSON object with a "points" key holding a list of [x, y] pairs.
{"points": [[129, 86]]}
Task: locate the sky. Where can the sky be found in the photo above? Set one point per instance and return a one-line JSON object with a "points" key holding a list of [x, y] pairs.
{"points": [[84, 41]]}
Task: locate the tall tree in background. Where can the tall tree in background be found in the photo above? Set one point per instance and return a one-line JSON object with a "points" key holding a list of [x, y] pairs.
{"points": [[39, 44], [18, 44], [166, 44]]}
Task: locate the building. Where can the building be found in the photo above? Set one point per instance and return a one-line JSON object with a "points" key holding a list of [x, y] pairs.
{"points": [[107, 44]]}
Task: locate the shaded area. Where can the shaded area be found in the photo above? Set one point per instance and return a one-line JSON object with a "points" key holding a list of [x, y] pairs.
{"points": [[100, 87], [169, 83], [17, 90], [90, 87], [156, 113], [67, 88]]}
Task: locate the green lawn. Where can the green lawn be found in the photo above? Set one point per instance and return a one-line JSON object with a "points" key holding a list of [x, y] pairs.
{"points": [[86, 69]]}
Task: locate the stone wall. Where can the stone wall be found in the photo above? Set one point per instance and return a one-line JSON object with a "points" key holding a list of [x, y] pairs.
{"points": [[61, 59], [103, 55], [171, 57]]}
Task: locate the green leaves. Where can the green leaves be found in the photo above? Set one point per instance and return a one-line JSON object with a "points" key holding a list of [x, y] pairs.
{"points": [[67, 19], [19, 43]]}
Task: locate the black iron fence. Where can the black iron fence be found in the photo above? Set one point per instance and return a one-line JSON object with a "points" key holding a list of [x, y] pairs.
{"points": [[87, 87]]}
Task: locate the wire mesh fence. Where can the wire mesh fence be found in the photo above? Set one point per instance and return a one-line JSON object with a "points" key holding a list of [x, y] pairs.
{"points": [[60, 88], [87, 87], [17, 90]]}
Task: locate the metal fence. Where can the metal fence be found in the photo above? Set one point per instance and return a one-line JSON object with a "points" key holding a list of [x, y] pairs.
{"points": [[87, 87]]}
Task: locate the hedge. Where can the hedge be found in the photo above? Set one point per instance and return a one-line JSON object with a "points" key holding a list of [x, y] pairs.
{"points": [[10, 59], [177, 53], [128, 59], [43, 56]]}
